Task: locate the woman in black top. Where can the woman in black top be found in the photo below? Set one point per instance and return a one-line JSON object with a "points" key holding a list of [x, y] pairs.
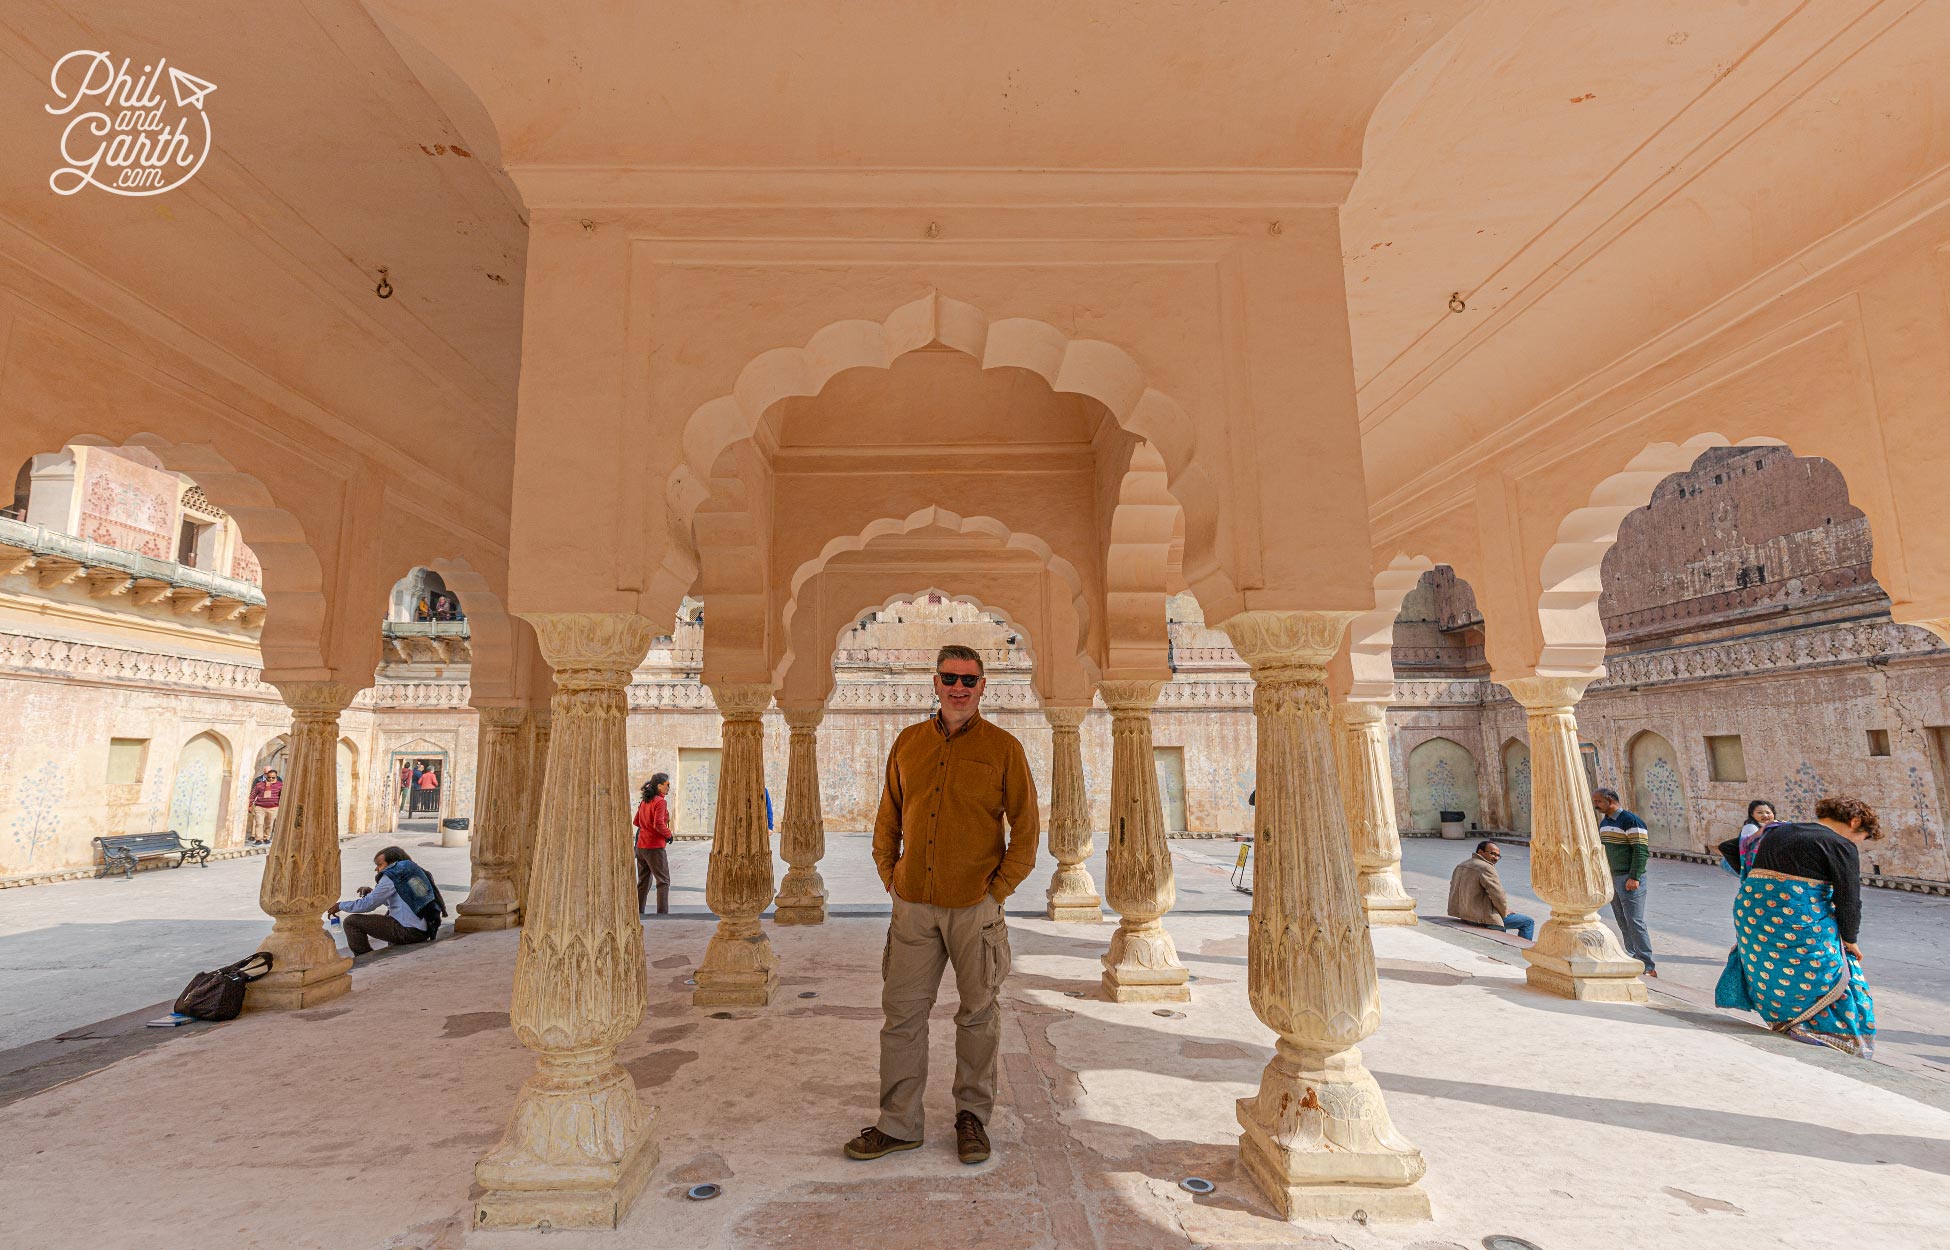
{"points": [[1798, 919]]}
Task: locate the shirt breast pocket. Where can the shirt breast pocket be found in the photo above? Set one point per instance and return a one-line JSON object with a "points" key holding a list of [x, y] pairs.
{"points": [[979, 782]]}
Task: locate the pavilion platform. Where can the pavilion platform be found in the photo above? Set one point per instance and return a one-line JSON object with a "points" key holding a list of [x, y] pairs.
{"points": [[1576, 1126]]}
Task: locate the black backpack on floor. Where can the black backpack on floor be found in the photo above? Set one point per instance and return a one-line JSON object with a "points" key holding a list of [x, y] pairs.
{"points": [[219, 995]]}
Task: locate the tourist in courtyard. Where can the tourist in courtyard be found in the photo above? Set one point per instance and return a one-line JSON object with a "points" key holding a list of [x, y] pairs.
{"points": [[652, 836], [1760, 814], [1476, 894], [405, 783], [412, 903], [1628, 851], [1796, 922], [939, 846], [266, 792], [429, 785]]}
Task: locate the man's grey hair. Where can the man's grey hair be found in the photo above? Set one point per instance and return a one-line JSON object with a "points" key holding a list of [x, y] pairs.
{"points": [[1606, 792], [955, 651]]}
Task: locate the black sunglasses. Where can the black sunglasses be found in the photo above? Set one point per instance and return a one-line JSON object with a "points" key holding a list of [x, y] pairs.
{"points": [[966, 679]]}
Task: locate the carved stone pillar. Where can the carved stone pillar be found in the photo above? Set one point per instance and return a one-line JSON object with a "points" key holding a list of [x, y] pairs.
{"points": [[740, 968], [1317, 1137], [1575, 955], [1142, 963], [301, 874], [492, 902], [534, 779], [1072, 894], [578, 1146], [1368, 794], [802, 834]]}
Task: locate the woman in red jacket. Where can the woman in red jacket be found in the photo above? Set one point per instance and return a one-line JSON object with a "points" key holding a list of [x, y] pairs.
{"points": [[652, 836]]}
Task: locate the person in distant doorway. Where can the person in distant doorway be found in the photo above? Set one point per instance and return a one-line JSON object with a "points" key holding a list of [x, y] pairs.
{"points": [[1628, 852], [938, 844], [429, 784], [405, 784], [768, 809], [412, 902], [1796, 923], [1476, 894], [652, 836], [266, 792], [422, 611]]}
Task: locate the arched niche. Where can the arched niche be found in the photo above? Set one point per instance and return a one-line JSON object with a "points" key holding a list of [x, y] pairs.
{"points": [[1659, 790], [1516, 784], [1442, 777], [199, 797]]}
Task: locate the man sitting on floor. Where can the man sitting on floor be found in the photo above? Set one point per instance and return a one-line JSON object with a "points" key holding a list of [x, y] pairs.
{"points": [[411, 899], [1476, 894]]}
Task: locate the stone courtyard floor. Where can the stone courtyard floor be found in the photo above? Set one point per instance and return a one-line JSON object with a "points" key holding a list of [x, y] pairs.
{"points": [[1576, 1126]]}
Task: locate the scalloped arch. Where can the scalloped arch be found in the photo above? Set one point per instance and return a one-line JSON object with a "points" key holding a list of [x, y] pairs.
{"points": [[1569, 578], [926, 518], [294, 579], [1103, 371]]}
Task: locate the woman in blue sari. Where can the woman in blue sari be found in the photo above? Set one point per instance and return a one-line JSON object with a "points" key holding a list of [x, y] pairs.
{"points": [[1796, 921]]}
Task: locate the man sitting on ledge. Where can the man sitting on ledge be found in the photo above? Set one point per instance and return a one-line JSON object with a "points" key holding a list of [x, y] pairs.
{"points": [[411, 899], [1476, 894]]}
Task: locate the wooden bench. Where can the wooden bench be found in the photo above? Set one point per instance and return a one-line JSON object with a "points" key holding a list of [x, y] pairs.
{"points": [[123, 850]]}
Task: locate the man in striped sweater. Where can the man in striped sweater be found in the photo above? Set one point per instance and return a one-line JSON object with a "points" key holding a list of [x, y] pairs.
{"points": [[1628, 850]]}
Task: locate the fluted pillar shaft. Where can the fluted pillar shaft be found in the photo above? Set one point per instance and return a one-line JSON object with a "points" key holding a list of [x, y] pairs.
{"points": [[579, 1145], [1575, 955], [1317, 1139], [740, 968], [491, 900], [1142, 963], [1072, 894], [301, 874], [1368, 794], [534, 778], [802, 834]]}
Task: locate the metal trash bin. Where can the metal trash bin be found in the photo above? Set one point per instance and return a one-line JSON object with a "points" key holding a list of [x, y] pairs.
{"points": [[1453, 827], [453, 831]]}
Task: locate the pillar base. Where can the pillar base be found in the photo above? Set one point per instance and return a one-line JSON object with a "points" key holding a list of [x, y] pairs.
{"points": [[296, 988], [1319, 1144], [535, 1194], [487, 917], [736, 972], [1075, 910], [795, 911], [1583, 962], [1142, 966], [1391, 912], [1586, 980]]}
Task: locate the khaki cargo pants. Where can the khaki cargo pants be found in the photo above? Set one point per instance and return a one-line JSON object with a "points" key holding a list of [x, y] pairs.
{"points": [[923, 939]]}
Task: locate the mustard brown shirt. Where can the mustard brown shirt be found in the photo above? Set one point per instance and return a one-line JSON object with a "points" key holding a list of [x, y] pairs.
{"points": [[938, 838]]}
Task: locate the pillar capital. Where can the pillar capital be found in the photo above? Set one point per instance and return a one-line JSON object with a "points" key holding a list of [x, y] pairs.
{"points": [[495, 716], [1130, 698], [1548, 694], [741, 701], [590, 650], [1065, 716], [315, 700], [1287, 646], [802, 719], [1355, 712]]}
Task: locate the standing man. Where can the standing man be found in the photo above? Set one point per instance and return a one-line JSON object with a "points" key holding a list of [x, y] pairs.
{"points": [[266, 793], [1476, 894], [939, 846], [1628, 849]]}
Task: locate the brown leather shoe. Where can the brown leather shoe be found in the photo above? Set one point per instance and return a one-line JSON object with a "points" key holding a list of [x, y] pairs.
{"points": [[971, 1143], [872, 1144]]}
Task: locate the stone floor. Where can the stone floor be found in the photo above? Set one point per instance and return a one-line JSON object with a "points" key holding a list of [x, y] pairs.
{"points": [[1576, 1126]]}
